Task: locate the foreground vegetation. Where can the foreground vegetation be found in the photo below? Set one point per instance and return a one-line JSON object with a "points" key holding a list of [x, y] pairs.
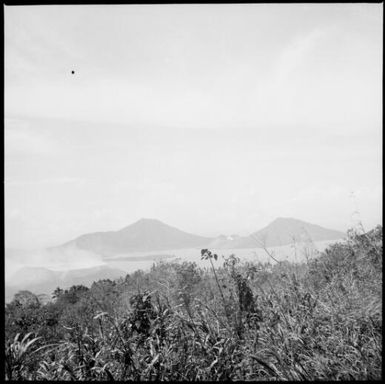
{"points": [[319, 320]]}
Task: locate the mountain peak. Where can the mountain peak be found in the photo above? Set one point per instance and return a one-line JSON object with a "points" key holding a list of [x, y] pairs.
{"points": [[144, 235], [284, 230], [148, 234], [287, 220], [148, 220], [144, 222]]}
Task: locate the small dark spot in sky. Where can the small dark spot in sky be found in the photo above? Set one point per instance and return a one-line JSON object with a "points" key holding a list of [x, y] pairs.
{"points": [[73, 72]]}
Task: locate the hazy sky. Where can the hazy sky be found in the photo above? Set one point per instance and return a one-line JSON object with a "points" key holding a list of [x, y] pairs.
{"points": [[212, 118]]}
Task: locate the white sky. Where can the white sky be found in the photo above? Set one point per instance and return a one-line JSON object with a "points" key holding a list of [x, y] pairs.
{"points": [[212, 118]]}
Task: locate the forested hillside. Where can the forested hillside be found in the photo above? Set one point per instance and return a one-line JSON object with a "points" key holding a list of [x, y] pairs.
{"points": [[245, 321]]}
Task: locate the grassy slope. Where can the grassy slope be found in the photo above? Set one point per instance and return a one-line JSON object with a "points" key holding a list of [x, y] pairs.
{"points": [[316, 320]]}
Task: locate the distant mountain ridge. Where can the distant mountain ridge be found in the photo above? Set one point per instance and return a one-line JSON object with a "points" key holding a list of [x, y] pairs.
{"points": [[154, 235], [143, 235], [282, 231]]}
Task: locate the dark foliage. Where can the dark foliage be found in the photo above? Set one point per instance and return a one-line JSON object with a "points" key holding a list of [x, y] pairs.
{"points": [[320, 320]]}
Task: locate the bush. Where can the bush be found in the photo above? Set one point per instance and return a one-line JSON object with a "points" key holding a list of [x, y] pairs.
{"points": [[319, 320]]}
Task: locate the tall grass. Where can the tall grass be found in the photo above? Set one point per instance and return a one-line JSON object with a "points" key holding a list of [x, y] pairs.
{"points": [[319, 320]]}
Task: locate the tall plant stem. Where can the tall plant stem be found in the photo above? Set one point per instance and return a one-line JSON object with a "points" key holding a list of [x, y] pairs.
{"points": [[220, 290]]}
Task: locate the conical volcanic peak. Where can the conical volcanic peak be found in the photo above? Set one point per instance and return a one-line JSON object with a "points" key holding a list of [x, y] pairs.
{"points": [[283, 231], [143, 235], [149, 234]]}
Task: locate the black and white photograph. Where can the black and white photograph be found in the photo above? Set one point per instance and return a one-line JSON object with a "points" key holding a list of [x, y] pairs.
{"points": [[193, 192]]}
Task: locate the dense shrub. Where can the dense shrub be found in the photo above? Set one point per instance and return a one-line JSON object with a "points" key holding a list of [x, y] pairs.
{"points": [[319, 320]]}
